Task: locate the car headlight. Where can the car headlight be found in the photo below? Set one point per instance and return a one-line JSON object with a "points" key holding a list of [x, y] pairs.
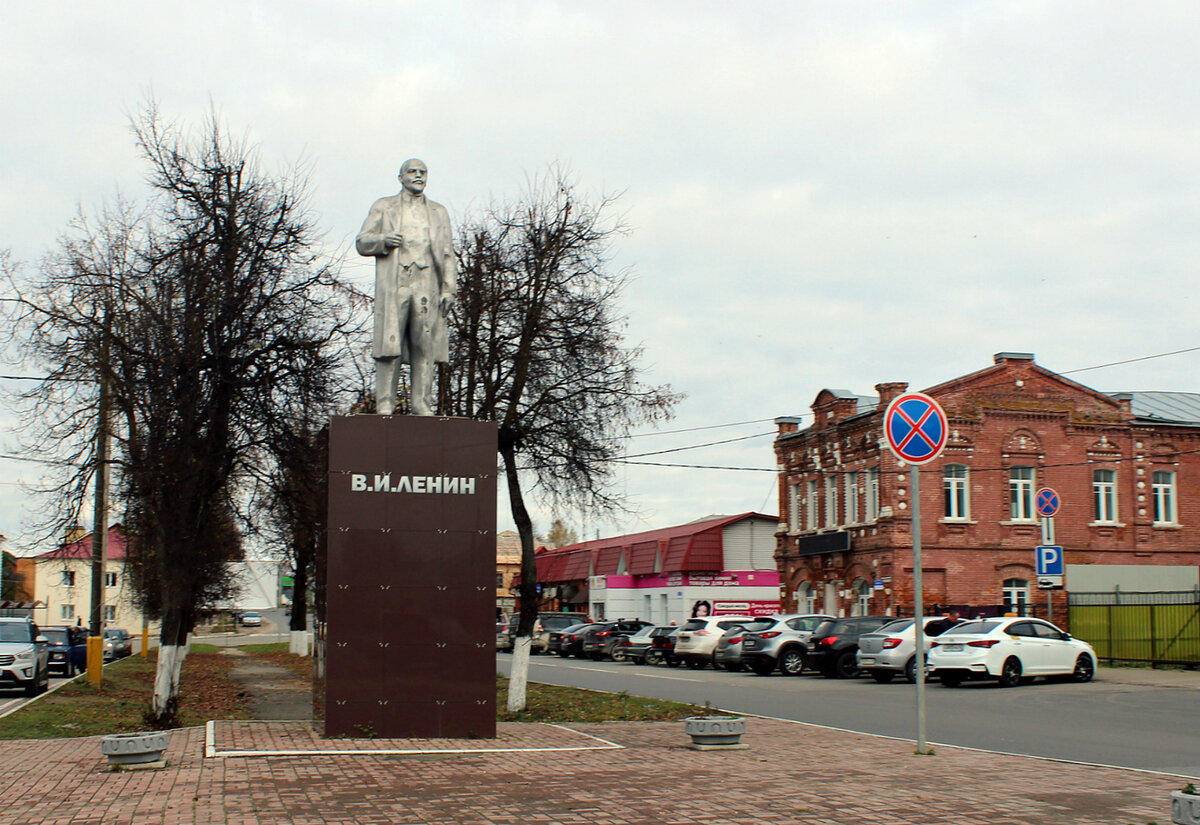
{"points": [[25, 655]]}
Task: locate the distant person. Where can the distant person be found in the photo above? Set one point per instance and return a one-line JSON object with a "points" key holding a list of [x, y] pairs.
{"points": [[947, 621], [701, 609]]}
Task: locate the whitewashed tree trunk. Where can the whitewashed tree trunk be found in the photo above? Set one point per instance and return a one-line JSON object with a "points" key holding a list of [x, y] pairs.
{"points": [[166, 678], [519, 675], [298, 642]]}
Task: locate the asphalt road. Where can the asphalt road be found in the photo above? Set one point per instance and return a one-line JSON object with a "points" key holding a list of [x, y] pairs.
{"points": [[1109, 723]]}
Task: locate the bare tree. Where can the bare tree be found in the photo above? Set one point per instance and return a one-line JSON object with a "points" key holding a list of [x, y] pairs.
{"points": [[195, 314], [560, 534], [537, 345]]}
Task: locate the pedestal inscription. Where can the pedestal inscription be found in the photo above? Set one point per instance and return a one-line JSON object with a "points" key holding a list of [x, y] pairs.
{"points": [[410, 588]]}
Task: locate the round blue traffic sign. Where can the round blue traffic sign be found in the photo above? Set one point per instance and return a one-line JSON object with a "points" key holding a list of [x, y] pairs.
{"points": [[1046, 501], [915, 427]]}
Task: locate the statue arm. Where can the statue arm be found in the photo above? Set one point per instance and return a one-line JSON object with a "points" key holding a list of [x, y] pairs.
{"points": [[370, 240]]}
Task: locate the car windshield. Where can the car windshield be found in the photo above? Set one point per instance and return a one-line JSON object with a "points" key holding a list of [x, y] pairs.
{"points": [[55, 637], [695, 624], [896, 627], [117, 634], [14, 632], [974, 628]]}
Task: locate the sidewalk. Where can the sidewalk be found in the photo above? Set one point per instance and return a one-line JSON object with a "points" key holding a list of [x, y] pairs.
{"points": [[791, 773]]}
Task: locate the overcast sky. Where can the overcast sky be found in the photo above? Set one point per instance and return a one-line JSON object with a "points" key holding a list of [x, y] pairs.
{"points": [[819, 194]]}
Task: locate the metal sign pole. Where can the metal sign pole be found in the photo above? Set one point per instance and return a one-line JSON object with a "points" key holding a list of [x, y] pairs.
{"points": [[1048, 538], [918, 606]]}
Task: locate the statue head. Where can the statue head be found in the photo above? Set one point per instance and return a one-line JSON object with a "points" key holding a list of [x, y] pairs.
{"points": [[413, 174]]}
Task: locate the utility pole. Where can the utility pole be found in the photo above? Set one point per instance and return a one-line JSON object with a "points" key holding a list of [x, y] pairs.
{"points": [[95, 647]]}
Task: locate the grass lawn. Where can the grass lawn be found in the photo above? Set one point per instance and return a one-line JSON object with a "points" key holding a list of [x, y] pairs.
{"points": [[117, 705]]}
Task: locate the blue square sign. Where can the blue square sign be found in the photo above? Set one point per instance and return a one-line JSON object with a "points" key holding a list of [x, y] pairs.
{"points": [[1049, 560]]}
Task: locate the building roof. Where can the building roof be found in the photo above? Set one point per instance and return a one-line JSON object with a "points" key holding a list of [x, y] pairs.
{"points": [[1164, 407], [114, 549], [685, 547], [508, 547]]}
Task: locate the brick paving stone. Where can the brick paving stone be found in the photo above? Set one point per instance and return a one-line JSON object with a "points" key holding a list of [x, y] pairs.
{"points": [[791, 773]]}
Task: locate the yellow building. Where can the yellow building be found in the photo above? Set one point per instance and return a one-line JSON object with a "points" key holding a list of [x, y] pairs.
{"points": [[62, 581], [508, 564]]}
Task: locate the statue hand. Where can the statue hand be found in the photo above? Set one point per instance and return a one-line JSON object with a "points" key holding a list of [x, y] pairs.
{"points": [[393, 240]]}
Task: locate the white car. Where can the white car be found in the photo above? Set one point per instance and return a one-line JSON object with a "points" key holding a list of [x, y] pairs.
{"points": [[251, 620], [1009, 649], [697, 639]]}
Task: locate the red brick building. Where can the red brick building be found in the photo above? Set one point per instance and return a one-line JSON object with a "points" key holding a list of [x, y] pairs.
{"points": [[1125, 466]]}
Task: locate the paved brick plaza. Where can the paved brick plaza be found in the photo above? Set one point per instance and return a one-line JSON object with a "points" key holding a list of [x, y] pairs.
{"points": [[791, 773]]}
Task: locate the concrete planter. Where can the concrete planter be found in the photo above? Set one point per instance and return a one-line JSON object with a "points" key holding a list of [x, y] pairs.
{"points": [[1185, 808], [135, 750], [715, 732]]}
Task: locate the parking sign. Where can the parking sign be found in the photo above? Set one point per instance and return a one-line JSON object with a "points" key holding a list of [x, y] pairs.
{"points": [[1048, 560]]}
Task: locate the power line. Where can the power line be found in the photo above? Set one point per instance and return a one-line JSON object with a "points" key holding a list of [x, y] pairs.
{"points": [[699, 446]]}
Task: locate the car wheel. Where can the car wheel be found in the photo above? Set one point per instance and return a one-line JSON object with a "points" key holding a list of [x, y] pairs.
{"points": [[791, 662], [1085, 669], [72, 671], [950, 679], [847, 665], [654, 657], [695, 663], [619, 655], [1010, 674], [883, 676], [733, 667], [763, 668], [910, 671]]}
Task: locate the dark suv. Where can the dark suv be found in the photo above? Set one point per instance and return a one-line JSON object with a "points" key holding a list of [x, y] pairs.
{"points": [[598, 639], [833, 646], [68, 649]]}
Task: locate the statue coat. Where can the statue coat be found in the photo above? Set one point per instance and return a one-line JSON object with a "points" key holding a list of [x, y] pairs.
{"points": [[391, 289]]}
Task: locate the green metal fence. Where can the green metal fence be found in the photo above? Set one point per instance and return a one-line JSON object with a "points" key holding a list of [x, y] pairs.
{"points": [[1158, 628]]}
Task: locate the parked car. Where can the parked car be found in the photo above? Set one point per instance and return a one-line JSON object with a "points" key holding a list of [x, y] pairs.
{"points": [[570, 639], [697, 639], [24, 656], [503, 640], [250, 619], [1009, 649], [67, 649], [892, 649], [599, 639], [117, 643], [547, 623], [833, 646], [728, 653], [633, 647], [783, 645], [662, 647]]}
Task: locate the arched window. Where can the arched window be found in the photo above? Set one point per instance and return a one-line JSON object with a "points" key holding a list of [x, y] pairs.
{"points": [[954, 484], [1016, 596], [862, 598], [806, 598]]}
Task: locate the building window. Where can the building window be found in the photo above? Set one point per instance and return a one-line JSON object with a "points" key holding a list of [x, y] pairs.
{"points": [[851, 498], [110, 612], [67, 612], [806, 598], [68, 578], [110, 579], [810, 506], [1104, 489], [872, 494], [499, 581], [1016, 596], [1020, 493], [1163, 487], [794, 502], [954, 483], [862, 598], [831, 513]]}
